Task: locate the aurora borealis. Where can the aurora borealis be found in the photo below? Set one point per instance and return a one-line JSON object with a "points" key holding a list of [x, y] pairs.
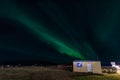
{"points": [[31, 30]]}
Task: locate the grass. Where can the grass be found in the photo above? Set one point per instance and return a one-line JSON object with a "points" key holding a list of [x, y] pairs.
{"points": [[96, 77], [51, 73]]}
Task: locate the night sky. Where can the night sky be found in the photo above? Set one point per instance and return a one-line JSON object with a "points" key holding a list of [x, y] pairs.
{"points": [[32, 31]]}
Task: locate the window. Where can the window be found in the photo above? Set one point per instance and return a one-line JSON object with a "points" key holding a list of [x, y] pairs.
{"points": [[79, 64]]}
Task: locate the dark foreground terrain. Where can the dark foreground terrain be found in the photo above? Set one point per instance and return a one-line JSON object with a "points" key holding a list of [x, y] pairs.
{"points": [[49, 73]]}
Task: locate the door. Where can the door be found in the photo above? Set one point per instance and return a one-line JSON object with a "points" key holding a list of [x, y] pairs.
{"points": [[89, 67]]}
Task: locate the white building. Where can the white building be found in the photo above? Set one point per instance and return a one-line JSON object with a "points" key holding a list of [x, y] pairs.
{"points": [[87, 66], [114, 65]]}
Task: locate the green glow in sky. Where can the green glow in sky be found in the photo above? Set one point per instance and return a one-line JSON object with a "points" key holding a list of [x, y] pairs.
{"points": [[50, 39], [46, 35]]}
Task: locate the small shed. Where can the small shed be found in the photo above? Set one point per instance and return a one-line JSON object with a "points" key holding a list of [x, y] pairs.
{"points": [[87, 66]]}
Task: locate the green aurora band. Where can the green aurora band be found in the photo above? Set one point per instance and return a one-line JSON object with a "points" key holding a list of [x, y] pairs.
{"points": [[14, 13]]}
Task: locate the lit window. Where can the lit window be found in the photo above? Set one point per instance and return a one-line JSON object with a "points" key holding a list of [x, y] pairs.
{"points": [[79, 64]]}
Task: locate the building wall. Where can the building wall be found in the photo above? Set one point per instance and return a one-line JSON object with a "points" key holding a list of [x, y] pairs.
{"points": [[82, 69], [96, 66]]}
